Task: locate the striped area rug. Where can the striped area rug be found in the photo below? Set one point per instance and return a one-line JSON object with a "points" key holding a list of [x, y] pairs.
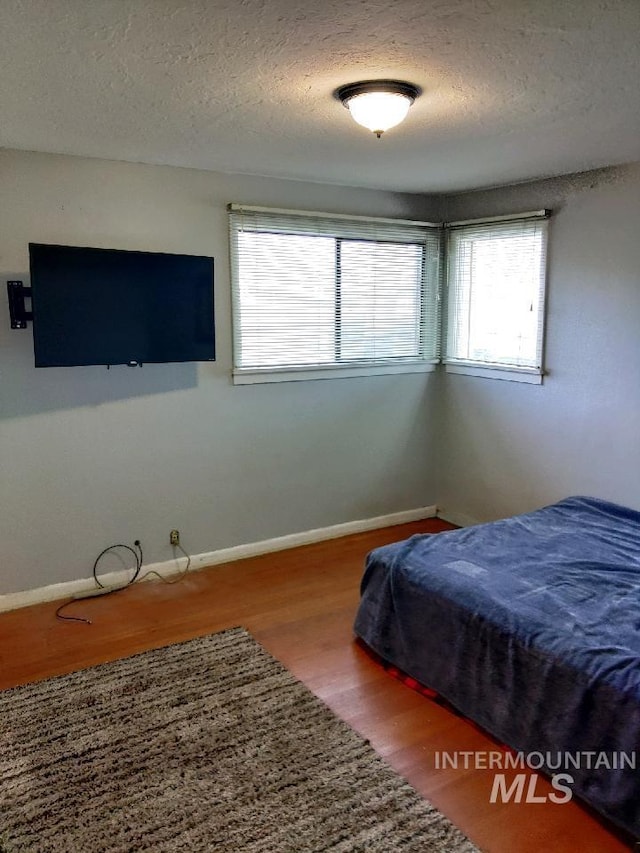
{"points": [[208, 745]]}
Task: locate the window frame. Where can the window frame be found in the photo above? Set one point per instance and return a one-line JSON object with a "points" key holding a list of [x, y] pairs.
{"points": [[532, 375], [341, 228], [434, 303]]}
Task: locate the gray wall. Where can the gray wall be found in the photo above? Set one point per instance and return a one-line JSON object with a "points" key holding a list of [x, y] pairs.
{"points": [[507, 447], [89, 457]]}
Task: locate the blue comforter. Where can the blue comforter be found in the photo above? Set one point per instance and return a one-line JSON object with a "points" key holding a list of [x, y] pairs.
{"points": [[531, 627]]}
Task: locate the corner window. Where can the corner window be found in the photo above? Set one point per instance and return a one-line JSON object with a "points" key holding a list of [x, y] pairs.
{"points": [[495, 297], [316, 295]]}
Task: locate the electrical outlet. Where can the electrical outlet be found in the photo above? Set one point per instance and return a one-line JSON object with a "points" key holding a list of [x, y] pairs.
{"points": [[174, 537]]}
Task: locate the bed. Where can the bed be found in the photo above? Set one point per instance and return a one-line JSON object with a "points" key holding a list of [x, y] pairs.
{"points": [[530, 627]]}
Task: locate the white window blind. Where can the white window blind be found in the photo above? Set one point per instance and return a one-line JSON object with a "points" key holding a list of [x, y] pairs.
{"points": [[495, 294], [319, 291]]}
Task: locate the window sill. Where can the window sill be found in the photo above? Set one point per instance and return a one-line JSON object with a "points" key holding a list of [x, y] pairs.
{"points": [[253, 377], [510, 374]]}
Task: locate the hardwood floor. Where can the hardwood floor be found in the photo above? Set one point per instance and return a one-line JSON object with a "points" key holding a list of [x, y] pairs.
{"points": [[300, 605]]}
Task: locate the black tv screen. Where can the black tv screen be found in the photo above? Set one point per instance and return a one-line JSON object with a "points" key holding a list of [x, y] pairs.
{"points": [[110, 306]]}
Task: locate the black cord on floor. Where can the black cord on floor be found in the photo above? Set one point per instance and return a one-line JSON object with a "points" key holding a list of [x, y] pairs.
{"points": [[70, 618], [103, 590], [86, 597]]}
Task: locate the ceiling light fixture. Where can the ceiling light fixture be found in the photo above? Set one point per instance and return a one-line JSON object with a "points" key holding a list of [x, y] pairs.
{"points": [[378, 104]]}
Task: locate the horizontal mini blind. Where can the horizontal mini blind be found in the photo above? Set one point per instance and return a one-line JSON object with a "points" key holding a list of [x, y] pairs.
{"points": [[314, 290], [495, 293]]}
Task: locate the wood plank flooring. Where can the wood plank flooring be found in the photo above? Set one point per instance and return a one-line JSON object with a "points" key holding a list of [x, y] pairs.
{"points": [[300, 605]]}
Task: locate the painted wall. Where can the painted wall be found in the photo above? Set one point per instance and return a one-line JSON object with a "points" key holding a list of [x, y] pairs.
{"points": [[89, 457], [507, 447]]}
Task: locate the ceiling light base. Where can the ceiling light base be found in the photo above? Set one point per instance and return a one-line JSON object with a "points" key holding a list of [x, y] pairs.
{"points": [[395, 87]]}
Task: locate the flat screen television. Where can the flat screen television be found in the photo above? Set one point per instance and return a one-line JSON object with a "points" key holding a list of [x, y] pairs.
{"points": [[111, 306]]}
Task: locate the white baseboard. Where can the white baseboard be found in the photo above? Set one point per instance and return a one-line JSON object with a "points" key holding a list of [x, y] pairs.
{"points": [[457, 518], [82, 586], [68, 589], [308, 537]]}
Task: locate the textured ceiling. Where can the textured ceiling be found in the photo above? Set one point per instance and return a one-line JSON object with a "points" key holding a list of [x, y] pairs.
{"points": [[513, 89]]}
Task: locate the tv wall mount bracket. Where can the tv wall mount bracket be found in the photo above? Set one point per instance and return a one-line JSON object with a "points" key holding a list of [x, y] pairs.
{"points": [[17, 310]]}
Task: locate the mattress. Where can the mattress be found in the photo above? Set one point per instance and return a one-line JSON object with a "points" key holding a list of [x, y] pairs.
{"points": [[530, 626]]}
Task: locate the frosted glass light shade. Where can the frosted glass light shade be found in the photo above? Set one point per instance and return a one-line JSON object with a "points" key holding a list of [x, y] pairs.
{"points": [[378, 104], [379, 110]]}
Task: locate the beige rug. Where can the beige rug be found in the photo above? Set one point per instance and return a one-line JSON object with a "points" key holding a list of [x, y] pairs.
{"points": [[209, 745]]}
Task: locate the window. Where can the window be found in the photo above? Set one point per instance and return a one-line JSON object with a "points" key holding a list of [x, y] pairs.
{"points": [[495, 296], [317, 295]]}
